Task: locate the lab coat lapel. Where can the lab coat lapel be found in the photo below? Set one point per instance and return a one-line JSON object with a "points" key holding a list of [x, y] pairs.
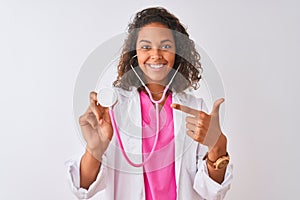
{"points": [[135, 107], [130, 128], [179, 133]]}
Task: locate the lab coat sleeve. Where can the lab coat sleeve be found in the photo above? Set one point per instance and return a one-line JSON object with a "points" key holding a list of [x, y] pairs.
{"points": [[73, 171], [207, 188]]}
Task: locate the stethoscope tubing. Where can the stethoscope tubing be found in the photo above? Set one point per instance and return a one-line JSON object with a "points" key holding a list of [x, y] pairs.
{"points": [[115, 128]]}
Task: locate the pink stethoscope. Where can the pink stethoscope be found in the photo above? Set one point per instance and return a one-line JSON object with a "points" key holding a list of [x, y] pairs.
{"points": [[108, 98]]}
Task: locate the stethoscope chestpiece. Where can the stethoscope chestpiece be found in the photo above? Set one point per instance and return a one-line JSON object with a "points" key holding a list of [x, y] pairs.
{"points": [[107, 97]]}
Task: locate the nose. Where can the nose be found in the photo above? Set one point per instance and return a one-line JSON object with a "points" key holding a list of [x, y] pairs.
{"points": [[155, 54]]}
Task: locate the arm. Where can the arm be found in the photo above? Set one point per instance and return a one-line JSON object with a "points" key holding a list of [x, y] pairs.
{"points": [[74, 166], [208, 182], [205, 129], [205, 183], [89, 169], [87, 175], [217, 151], [97, 131]]}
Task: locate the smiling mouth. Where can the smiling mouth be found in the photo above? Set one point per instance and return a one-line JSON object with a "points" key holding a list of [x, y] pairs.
{"points": [[156, 66]]}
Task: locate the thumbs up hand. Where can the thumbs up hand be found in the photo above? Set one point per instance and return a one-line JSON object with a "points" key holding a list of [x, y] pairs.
{"points": [[205, 128]]}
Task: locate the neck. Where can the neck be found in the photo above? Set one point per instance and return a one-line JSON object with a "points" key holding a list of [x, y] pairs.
{"points": [[156, 88]]}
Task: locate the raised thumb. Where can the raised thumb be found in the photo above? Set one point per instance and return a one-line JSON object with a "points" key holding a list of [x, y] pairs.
{"points": [[216, 106]]}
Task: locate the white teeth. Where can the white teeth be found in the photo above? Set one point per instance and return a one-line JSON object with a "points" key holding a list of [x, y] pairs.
{"points": [[156, 66]]}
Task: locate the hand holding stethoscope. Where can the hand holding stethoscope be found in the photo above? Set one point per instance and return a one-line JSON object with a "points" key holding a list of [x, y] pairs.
{"points": [[202, 127], [98, 123], [96, 127]]}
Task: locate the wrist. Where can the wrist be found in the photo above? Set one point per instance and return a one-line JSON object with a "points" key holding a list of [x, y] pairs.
{"points": [[219, 149], [98, 150], [218, 164], [90, 160], [96, 153]]}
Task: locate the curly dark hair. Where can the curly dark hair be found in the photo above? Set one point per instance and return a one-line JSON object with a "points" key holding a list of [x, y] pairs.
{"points": [[186, 53]]}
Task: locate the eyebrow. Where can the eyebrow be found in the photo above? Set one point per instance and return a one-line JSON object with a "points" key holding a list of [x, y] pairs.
{"points": [[163, 41]]}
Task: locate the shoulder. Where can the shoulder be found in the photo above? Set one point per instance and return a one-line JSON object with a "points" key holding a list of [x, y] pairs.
{"points": [[189, 99], [123, 94]]}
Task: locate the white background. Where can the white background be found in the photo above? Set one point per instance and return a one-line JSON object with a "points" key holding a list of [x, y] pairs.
{"points": [[43, 44]]}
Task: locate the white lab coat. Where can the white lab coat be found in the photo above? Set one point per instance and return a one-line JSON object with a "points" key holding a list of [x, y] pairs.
{"points": [[119, 180]]}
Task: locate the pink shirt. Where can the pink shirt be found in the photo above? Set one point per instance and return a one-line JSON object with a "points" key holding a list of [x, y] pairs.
{"points": [[159, 171]]}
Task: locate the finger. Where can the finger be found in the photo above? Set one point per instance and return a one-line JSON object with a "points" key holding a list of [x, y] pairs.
{"points": [[199, 135], [82, 118], [196, 128], [92, 120], [195, 136], [185, 109], [96, 109], [88, 119], [105, 116], [216, 106], [93, 96], [197, 120], [190, 133], [192, 120], [190, 126]]}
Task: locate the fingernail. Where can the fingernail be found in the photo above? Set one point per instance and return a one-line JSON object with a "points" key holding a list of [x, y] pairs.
{"points": [[175, 106]]}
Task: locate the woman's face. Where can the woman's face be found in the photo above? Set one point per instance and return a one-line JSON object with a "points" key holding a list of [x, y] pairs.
{"points": [[155, 49]]}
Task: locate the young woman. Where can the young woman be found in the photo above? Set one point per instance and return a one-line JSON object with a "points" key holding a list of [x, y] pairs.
{"points": [[158, 63]]}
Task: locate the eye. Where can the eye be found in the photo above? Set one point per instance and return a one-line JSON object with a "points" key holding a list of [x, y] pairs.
{"points": [[166, 46], [145, 47]]}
